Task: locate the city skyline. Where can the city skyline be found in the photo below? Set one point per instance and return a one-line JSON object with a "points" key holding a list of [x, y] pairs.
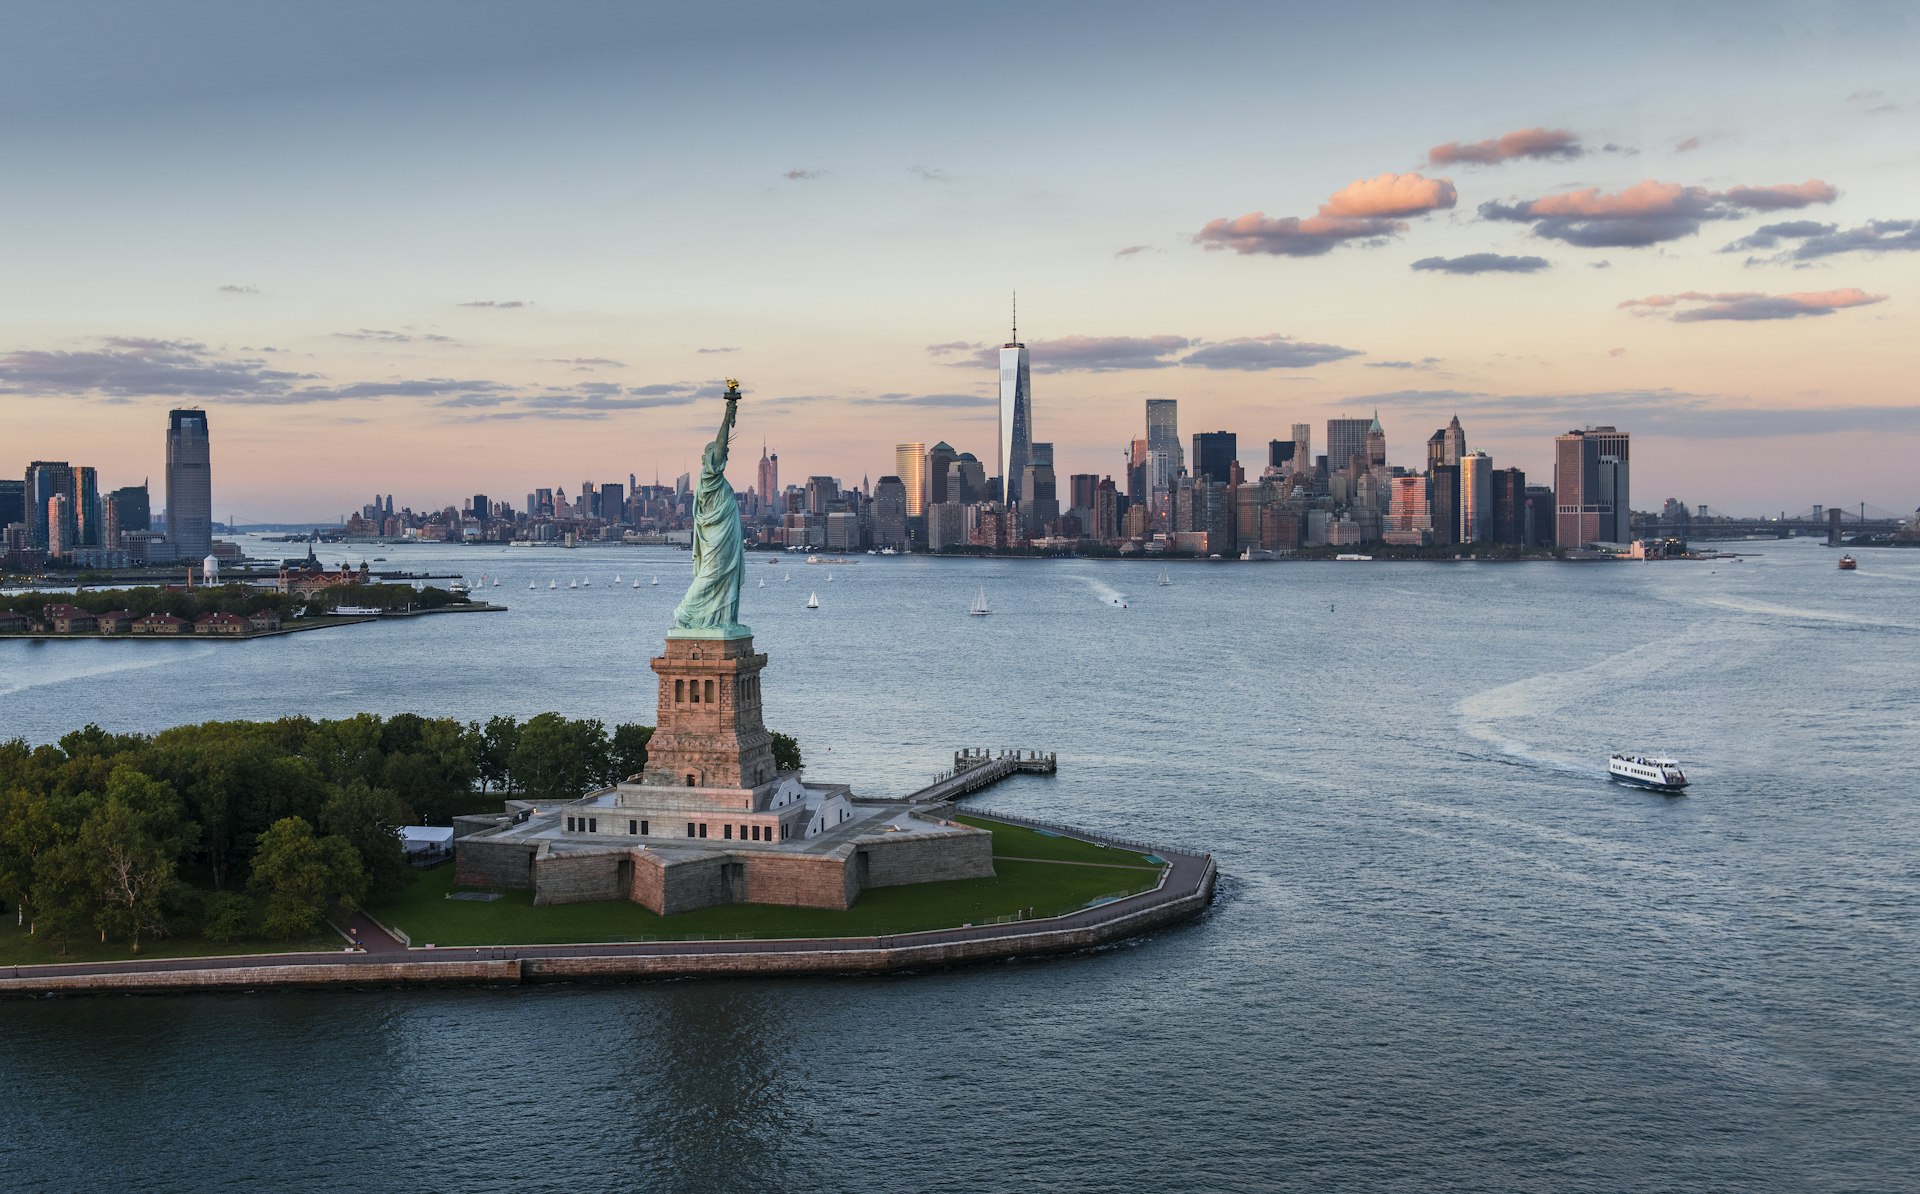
{"points": [[374, 274]]}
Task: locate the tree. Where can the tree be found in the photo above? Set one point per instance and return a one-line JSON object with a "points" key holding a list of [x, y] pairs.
{"points": [[492, 749], [786, 752], [370, 818], [557, 759], [630, 749], [130, 869], [63, 894], [298, 875]]}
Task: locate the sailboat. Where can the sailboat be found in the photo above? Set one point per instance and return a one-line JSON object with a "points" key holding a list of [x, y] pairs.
{"points": [[636, 582], [616, 578], [763, 582], [979, 607], [586, 584], [553, 584], [655, 580], [1164, 578], [496, 582], [529, 586], [573, 584], [787, 577], [829, 578], [813, 601]]}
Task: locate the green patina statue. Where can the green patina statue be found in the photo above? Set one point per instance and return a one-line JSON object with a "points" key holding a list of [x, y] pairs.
{"points": [[711, 608]]}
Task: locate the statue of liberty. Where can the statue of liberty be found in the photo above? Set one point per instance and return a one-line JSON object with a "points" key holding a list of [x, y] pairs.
{"points": [[711, 608]]}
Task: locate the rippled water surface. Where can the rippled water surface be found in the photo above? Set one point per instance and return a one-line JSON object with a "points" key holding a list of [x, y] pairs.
{"points": [[1447, 953]]}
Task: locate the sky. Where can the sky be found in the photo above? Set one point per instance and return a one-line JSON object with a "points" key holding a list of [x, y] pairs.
{"points": [[439, 249]]}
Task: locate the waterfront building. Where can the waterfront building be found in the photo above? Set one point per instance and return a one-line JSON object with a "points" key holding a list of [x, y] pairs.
{"points": [[890, 512], [189, 483], [1039, 499], [1444, 502], [967, 480], [1509, 507], [1302, 446], [480, 506], [1106, 512], [1476, 497], [1453, 441], [1081, 488], [88, 514], [1163, 436], [843, 531], [1137, 487], [1590, 487], [1346, 441], [1016, 415], [1214, 455], [45, 480], [13, 502], [910, 468], [1409, 514], [1540, 516], [946, 526], [613, 502], [61, 526]]}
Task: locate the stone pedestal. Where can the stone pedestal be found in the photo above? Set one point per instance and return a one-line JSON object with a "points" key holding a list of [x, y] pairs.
{"points": [[708, 733]]}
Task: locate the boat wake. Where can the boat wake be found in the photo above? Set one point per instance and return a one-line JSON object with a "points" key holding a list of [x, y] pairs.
{"points": [[1107, 593]]}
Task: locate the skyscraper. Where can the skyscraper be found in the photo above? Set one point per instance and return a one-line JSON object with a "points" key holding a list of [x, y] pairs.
{"points": [[1454, 440], [1016, 414], [1509, 507], [88, 513], [13, 502], [480, 505], [1280, 454], [940, 458], [1443, 494], [61, 525], [1213, 455], [1614, 445], [45, 480], [189, 484], [890, 497], [910, 468], [1576, 490], [1376, 443], [127, 509], [1163, 434], [769, 478], [1346, 438], [1302, 445], [1476, 497]]}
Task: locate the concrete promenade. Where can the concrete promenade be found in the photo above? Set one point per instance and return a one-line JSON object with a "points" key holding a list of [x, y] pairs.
{"points": [[1185, 889]]}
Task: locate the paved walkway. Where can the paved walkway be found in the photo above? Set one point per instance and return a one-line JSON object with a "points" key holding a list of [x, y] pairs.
{"points": [[1187, 875]]}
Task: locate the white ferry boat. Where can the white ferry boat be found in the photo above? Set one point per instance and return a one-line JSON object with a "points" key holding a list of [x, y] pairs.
{"points": [[1662, 775]]}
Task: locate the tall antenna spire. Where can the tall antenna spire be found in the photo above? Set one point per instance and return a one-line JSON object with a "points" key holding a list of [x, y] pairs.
{"points": [[1016, 317]]}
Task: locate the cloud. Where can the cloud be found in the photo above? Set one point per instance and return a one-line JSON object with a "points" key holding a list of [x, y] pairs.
{"points": [[1616, 352], [1135, 250], [588, 362], [1521, 143], [1670, 413], [497, 304], [1819, 240], [798, 175], [1259, 353], [387, 336], [1098, 354], [1367, 211], [1422, 363], [1113, 354], [230, 288], [126, 367], [1688, 145], [929, 174], [935, 400], [1695, 306], [1482, 263], [1648, 212], [953, 346], [723, 348]]}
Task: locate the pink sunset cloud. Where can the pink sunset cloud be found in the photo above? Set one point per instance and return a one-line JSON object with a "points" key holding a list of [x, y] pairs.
{"points": [[1521, 143], [1694, 306], [1365, 210], [1649, 212]]}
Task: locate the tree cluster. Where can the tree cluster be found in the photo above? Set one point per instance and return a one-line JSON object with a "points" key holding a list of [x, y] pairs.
{"points": [[231, 829], [243, 600]]}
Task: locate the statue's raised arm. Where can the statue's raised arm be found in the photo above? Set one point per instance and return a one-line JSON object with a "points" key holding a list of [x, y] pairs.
{"points": [[711, 608]]}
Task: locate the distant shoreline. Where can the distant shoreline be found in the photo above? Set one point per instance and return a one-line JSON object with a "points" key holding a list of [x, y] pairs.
{"points": [[324, 622]]}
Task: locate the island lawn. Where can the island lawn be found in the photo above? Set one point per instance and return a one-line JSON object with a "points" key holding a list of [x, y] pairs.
{"points": [[20, 948]]}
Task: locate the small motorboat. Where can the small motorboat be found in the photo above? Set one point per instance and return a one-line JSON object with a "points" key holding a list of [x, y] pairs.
{"points": [[1848, 563]]}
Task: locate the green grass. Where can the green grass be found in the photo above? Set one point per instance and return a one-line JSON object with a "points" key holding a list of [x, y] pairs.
{"points": [[1017, 841], [425, 913], [18, 948]]}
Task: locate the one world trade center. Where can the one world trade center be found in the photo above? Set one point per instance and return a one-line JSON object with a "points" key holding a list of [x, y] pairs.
{"points": [[1016, 414]]}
